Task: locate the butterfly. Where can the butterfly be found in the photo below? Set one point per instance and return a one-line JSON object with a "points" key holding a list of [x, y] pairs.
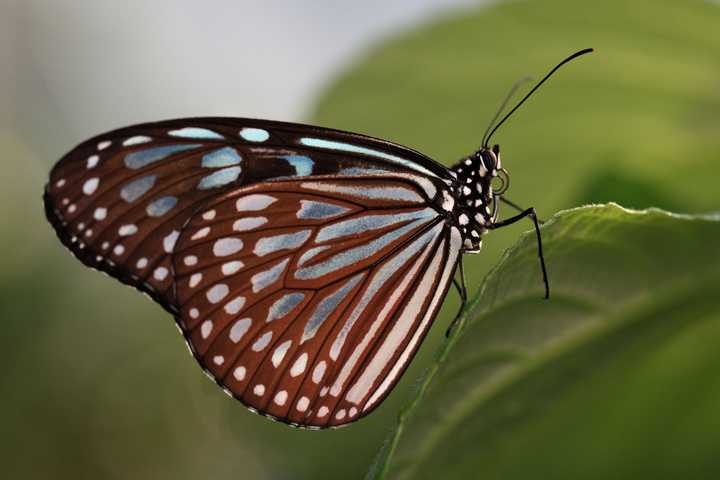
{"points": [[303, 265]]}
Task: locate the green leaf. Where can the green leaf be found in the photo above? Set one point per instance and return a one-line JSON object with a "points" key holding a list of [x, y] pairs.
{"points": [[616, 376]]}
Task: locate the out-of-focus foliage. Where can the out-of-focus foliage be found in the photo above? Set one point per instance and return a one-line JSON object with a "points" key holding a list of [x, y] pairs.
{"points": [[97, 383]]}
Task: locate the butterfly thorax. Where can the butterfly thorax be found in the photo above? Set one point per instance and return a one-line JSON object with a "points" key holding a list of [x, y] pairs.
{"points": [[475, 210]]}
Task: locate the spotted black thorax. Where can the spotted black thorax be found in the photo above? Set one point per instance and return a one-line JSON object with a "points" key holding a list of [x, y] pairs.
{"points": [[476, 208]]}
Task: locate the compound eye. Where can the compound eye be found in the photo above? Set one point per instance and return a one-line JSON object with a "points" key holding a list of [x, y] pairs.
{"points": [[488, 160]]}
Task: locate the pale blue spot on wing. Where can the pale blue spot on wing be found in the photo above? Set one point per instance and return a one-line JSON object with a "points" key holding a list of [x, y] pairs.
{"points": [[219, 178], [137, 188], [161, 206], [284, 305], [310, 254], [374, 193], [327, 306], [355, 226], [303, 165], [197, 133], [312, 210], [223, 157], [349, 147], [143, 158], [284, 241], [254, 134], [267, 277]]}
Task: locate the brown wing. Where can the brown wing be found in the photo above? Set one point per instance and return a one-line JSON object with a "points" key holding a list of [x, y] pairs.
{"points": [[118, 201], [306, 299]]}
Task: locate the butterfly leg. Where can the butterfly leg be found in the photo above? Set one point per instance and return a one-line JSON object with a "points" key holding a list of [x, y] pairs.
{"points": [[530, 212], [517, 207], [462, 291]]}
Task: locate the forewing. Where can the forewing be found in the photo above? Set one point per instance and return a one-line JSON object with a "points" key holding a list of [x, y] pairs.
{"points": [[119, 200], [306, 299]]}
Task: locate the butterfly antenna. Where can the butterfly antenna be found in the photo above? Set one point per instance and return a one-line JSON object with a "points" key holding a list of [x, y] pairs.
{"points": [[571, 57], [504, 103]]}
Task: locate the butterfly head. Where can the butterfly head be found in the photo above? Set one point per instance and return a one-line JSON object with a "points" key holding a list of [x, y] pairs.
{"points": [[480, 180]]}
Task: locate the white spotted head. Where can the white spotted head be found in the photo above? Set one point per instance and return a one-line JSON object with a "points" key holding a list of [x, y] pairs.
{"points": [[480, 182]]}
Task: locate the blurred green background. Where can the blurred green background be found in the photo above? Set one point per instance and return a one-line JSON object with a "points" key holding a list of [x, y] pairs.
{"points": [[97, 383]]}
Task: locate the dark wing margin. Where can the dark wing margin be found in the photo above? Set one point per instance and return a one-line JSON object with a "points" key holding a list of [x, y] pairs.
{"points": [[312, 318]]}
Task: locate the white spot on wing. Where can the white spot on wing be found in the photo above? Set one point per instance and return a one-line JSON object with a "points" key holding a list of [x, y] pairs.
{"points": [[239, 329], [90, 185], [206, 328], [227, 246], [136, 140], [230, 268], [279, 353], [262, 342], [299, 365], [169, 241], [160, 273], [239, 374], [202, 233], [303, 404], [127, 230], [235, 305], [249, 223], [254, 134], [254, 202], [319, 372], [281, 397], [217, 292], [195, 279]]}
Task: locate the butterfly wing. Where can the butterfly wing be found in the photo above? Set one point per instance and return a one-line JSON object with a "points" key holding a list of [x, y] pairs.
{"points": [[118, 201], [274, 297], [306, 299]]}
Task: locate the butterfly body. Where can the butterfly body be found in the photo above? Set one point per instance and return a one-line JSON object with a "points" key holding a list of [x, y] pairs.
{"points": [[303, 265]]}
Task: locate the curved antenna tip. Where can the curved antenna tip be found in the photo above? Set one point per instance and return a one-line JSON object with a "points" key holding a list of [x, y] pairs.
{"points": [[537, 85], [583, 52]]}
